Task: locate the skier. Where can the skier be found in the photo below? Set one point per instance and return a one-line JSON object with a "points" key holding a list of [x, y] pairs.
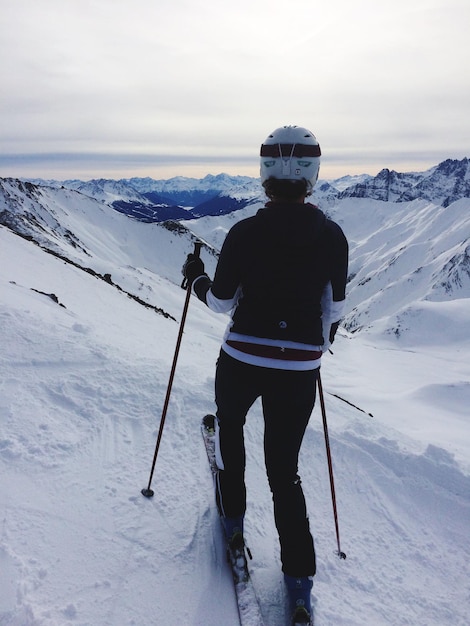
{"points": [[282, 273]]}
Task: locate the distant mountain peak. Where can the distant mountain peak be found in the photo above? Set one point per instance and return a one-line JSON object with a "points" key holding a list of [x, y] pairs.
{"points": [[443, 184]]}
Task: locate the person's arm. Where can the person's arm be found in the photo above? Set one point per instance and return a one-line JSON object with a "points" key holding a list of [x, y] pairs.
{"points": [[334, 294], [221, 294]]}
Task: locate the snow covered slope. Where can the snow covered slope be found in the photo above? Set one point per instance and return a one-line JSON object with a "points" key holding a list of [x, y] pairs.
{"points": [[83, 377], [93, 235], [401, 254]]}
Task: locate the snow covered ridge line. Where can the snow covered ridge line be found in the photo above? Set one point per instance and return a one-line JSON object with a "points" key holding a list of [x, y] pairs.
{"points": [[99, 240], [106, 278]]}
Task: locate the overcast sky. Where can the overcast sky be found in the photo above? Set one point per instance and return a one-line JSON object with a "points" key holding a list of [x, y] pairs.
{"points": [[119, 88]]}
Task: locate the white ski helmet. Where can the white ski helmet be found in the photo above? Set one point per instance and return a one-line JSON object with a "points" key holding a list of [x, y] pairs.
{"points": [[290, 153]]}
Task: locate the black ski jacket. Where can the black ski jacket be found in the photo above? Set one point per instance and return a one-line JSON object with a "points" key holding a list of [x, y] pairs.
{"points": [[278, 271]]}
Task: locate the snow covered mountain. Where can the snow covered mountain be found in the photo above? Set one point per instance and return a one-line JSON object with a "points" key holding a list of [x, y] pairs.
{"points": [[180, 197], [89, 314], [89, 232], [152, 200], [402, 252], [191, 192], [446, 183]]}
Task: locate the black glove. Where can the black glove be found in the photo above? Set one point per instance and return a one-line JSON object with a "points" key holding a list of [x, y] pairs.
{"points": [[193, 268], [333, 329]]}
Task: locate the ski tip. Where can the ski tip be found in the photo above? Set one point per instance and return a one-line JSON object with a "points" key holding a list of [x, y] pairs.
{"points": [[208, 421], [148, 493]]}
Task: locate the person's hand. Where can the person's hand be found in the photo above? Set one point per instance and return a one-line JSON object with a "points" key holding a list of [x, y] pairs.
{"points": [[192, 268], [333, 329]]}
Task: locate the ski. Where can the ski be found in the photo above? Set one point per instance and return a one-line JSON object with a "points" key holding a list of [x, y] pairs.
{"points": [[248, 607]]}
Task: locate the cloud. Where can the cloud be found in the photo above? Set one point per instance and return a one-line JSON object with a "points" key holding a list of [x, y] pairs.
{"points": [[187, 79]]}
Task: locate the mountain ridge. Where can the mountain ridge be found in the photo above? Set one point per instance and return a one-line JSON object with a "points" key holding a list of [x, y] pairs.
{"points": [[443, 184], [402, 253], [180, 197]]}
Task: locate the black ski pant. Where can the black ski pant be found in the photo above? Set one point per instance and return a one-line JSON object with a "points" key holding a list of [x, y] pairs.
{"points": [[287, 399]]}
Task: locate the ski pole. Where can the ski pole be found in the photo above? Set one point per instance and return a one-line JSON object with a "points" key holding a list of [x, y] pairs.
{"points": [[335, 395], [341, 554], [148, 492]]}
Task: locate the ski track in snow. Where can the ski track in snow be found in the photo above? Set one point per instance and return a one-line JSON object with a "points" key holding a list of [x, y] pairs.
{"points": [[81, 392]]}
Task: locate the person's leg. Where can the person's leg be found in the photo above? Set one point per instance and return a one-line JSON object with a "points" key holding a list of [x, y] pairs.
{"points": [[235, 392], [288, 400]]}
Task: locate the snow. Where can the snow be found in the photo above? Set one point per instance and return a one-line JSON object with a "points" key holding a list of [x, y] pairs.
{"points": [[82, 389]]}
